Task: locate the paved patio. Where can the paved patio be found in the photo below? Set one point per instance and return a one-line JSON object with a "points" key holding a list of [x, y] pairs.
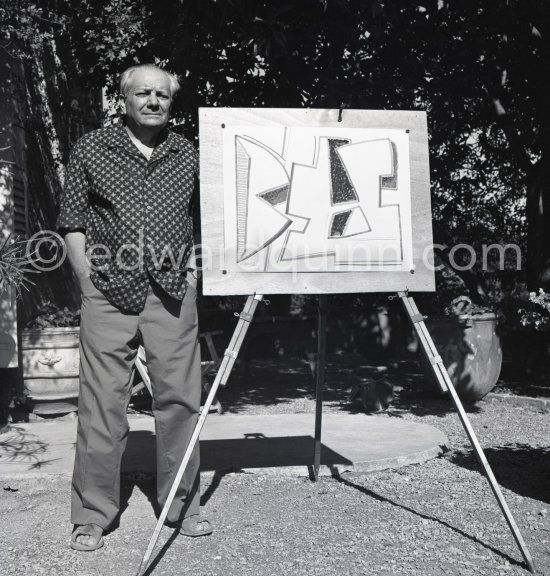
{"points": [[271, 444]]}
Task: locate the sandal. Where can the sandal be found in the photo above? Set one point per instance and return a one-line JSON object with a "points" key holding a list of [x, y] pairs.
{"points": [[192, 526], [87, 530]]}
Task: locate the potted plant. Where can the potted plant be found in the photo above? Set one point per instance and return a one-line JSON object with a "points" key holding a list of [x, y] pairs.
{"points": [[538, 316], [534, 317], [49, 347], [467, 340], [14, 265], [14, 269]]}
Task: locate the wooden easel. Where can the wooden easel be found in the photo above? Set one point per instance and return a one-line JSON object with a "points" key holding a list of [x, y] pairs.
{"points": [[429, 349], [446, 385]]}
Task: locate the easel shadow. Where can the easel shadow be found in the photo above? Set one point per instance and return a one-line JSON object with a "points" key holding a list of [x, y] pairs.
{"points": [[148, 487], [252, 451], [380, 498], [220, 456], [257, 451]]}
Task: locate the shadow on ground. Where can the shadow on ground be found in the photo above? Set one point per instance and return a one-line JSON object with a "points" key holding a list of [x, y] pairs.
{"points": [[424, 516], [234, 454], [18, 446], [268, 381], [288, 379], [519, 467], [145, 482]]}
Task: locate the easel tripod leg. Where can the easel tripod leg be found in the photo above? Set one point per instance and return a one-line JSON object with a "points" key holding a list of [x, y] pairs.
{"points": [[320, 381], [446, 384], [230, 355]]}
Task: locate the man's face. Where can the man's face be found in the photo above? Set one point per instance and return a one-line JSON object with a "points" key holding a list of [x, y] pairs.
{"points": [[148, 100]]}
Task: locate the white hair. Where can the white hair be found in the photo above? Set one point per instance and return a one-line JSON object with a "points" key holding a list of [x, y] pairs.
{"points": [[126, 76]]}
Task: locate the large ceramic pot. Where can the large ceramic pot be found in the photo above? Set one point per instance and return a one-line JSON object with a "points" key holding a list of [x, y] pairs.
{"points": [[471, 351], [50, 369]]}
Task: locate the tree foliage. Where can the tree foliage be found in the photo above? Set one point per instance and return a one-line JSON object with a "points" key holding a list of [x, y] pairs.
{"points": [[477, 68]]}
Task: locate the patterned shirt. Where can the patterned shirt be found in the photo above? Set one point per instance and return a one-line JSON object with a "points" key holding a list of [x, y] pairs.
{"points": [[135, 212]]}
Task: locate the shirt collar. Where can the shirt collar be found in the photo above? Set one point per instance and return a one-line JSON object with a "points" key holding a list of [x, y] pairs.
{"points": [[118, 137], [167, 141]]}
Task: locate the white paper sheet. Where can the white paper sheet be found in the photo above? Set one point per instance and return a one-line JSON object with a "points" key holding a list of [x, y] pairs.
{"points": [[316, 199]]}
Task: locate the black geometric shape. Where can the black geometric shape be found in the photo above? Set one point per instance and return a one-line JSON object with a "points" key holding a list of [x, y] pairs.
{"points": [[276, 196], [342, 189], [338, 224], [390, 182]]}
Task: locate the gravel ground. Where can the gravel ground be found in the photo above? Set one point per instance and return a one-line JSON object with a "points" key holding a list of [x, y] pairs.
{"points": [[438, 518]]}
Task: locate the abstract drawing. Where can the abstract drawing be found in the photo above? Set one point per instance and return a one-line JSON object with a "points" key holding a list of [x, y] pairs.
{"points": [[262, 185], [316, 199]]}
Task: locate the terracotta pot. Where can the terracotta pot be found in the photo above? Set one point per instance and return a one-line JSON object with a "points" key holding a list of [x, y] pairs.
{"points": [[50, 369], [471, 351]]}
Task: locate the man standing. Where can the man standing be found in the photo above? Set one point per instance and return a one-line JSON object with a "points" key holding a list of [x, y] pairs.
{"points": [[128, 229]]}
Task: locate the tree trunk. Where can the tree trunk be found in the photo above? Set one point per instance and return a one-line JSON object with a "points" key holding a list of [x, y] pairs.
{"points": [[538, 224]]}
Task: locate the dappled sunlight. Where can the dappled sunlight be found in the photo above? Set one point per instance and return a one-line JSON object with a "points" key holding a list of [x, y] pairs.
{"points": [[287, 382]]}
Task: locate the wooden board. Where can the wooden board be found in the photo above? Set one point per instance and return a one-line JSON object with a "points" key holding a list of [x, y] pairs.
{"points": [[223, 279]]}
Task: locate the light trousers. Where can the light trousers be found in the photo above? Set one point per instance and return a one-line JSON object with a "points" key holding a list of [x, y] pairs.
{"points": [[109, 339]]}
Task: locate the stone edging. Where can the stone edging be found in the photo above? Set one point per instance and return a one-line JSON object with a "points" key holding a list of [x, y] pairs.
{"points": [[521, 401]]}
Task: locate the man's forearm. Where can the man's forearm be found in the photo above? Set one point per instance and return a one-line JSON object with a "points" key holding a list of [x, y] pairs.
{"points": [[76, 250]]}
